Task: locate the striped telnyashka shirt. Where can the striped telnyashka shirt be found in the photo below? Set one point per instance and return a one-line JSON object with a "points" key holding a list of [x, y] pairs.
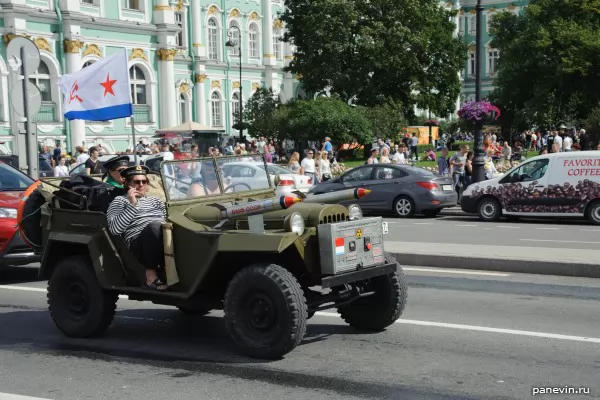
{"points": [[129, 221]]}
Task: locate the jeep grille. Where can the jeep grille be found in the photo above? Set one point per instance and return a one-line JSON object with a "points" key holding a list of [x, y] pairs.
{"points": [[332, 218]]}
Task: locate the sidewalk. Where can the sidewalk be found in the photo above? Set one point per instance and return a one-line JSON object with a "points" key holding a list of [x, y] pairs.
{"points": [[530, 260]]}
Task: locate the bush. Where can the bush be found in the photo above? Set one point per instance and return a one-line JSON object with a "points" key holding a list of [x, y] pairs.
{"points": [[456, 146]]}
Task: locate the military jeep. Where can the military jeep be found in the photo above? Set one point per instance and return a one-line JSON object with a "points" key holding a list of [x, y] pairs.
{"points": [[269, 263]]}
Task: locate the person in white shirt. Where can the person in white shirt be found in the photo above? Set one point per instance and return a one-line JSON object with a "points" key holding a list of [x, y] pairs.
{"points": [[61, 169], [83, 156], [398, 157], [567, 143], [308, 165], [558, 140]]}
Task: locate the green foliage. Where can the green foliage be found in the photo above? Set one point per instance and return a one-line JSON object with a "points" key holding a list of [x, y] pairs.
{"points": [[548, 66], [371, 52], [259, 113], [592, 125], [386, 120], [316, 119]]}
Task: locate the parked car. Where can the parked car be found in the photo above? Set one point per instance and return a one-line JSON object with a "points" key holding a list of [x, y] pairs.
{"points": [[13, 250], [253, 174], [402, 190]]}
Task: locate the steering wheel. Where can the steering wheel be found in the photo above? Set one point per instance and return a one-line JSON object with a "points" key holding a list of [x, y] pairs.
{"points": [[235, 184], [525, 176]]}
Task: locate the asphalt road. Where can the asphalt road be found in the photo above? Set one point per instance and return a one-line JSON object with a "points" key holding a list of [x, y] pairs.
{"points": [[568, 234], [464, 335]]}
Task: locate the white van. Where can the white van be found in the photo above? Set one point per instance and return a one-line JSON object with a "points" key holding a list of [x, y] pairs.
{"points": [[551, 185]]}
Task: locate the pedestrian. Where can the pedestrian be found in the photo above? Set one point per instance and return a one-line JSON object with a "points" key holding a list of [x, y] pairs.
{"points": [[414, 143], [61, 168], [442, 163], [469, 169], [373, 158], [308, 165], [457, 165]]}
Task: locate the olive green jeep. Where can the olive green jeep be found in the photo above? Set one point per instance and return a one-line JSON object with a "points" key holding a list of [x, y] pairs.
{"points": [[269, 262]]}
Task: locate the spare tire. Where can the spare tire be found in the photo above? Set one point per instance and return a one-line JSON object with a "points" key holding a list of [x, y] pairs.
{"points": [[29, 216]]}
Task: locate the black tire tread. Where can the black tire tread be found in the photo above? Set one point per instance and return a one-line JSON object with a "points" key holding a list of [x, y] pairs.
{"points": [[362, 314], [589, 210], [82, 265], [295, 299]]}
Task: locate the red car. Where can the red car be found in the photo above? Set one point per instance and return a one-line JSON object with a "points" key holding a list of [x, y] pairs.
{"points": [[13, 250]]}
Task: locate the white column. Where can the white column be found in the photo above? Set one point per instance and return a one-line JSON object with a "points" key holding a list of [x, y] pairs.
{"points": [[166, 88], [267, 32], [163, 13], [73, 64], [197, 29], [200, 77], [6, 97], [288, 80], [70, 5]]}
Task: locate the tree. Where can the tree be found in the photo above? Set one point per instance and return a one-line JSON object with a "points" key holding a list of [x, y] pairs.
{"points": [[315, 119], [259, 113], [371, 52], [548, 62], [386, 120]]}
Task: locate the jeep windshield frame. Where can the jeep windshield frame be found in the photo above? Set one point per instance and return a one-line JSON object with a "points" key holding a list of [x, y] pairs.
{"points": [[184, 179]]}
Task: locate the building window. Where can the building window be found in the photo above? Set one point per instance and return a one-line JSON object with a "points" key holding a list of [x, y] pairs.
{"points": [[472, 25], [493, 56], [277, 46], [183, 109], [179, 21], [213, 39], [253, 41], [88, 1], [133, 5], [42, 79], [217, 115], [138, 85], [235, 108], [461, 25], [235, 38], [472, 64]]}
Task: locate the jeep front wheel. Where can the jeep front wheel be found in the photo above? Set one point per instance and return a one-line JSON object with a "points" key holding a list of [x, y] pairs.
{"points": [[78, 305], [384, 307], [265, 311]]}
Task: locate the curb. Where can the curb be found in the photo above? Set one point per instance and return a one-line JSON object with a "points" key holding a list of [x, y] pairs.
{"points": [[561, 268]]}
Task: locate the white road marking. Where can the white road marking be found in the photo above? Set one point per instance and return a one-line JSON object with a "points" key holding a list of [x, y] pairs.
{"points": [[590, 230], [467, 225], [422, 223], [508, 227], [557, 241], [454, 271], [485, 329], [547, 229], [400, 321], [8, 396]]}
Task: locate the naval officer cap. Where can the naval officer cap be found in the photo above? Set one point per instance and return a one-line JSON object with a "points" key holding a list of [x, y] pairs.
{"points": [[135, 170], [117, 162]]}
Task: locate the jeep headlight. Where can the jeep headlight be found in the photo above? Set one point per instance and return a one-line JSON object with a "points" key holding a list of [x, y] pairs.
{"points": [[8, 212], [294, 223], [354, 212]]}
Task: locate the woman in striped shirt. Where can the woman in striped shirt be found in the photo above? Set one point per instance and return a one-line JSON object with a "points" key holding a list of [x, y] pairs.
{"points": [[138, 219]]}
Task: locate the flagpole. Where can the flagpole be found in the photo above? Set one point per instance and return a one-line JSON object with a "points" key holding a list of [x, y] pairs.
{"points": [[135, 155]]}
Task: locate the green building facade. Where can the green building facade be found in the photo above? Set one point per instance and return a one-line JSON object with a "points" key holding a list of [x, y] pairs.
{"points": [[180, 67]]}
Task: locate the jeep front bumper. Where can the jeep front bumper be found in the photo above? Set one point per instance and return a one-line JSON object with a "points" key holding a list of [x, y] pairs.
{"points": [[358, 275]]}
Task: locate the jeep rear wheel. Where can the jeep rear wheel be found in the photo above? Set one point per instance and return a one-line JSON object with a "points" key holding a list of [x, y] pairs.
{"points": [[384, 307], [78, 305], [265, 311]]}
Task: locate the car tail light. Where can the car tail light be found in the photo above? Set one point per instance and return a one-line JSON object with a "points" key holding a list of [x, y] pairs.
{"points": [[428, 185], [286, 182]]}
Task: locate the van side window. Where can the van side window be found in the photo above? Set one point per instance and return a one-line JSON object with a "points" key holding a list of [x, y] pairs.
{"points": [[528, 172]]}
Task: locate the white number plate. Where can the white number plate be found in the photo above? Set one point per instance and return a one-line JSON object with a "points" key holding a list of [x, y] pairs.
{"points": [[384, 228], [447, 188]]}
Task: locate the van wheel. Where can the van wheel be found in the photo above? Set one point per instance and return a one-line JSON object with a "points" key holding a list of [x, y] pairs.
{"points": [[404, 207], [78, 305], [593, 213], [489, 209], [265, 311]]}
